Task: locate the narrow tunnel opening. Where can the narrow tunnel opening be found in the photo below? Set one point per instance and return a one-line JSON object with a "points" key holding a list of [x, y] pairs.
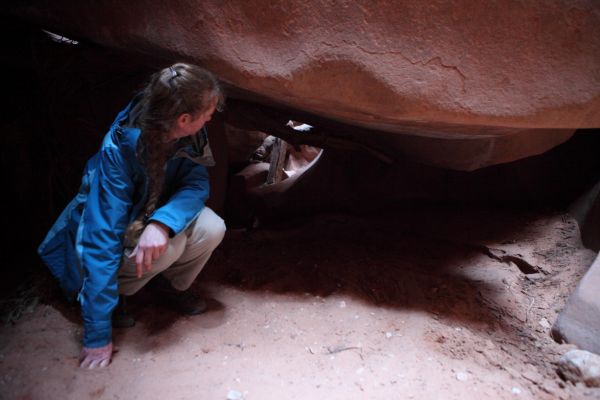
{"points": [[264, 163]]}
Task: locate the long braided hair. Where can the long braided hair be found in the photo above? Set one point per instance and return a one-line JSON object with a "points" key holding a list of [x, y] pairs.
{"points": [[175, 90]]}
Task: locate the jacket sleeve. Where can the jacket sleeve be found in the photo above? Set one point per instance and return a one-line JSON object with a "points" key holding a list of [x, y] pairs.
{"points": [[99, 244], [191, 191]]}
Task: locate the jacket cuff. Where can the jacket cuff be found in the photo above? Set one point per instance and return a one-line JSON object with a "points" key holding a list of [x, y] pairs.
{"points": [[164, 217], [97, 333], [171, 232]]}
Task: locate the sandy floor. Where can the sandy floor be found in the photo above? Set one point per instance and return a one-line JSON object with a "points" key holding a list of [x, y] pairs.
{"points": [[427, 304]]}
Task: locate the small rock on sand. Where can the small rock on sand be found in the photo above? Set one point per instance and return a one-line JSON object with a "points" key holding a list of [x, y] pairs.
{"points": [[580, 366]]}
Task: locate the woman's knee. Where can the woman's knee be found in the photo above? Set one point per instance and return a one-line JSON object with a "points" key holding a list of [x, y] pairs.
{"points": [[215, 231], [208, 228]]}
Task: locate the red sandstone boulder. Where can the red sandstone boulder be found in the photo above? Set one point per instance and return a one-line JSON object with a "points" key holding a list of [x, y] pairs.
{"points": [[434, 70]]}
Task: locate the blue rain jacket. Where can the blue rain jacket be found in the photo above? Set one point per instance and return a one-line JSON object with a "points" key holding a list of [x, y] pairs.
{"points": [[84, 247]]}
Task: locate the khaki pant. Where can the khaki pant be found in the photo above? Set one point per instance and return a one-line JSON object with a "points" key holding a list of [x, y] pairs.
{"points": [[186, 255]]}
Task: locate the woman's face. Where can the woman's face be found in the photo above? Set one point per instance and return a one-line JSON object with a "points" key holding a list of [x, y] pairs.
{"points": [[188, 124]]}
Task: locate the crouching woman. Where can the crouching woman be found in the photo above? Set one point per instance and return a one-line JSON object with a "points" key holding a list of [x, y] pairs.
{"points": [[140, 209]]}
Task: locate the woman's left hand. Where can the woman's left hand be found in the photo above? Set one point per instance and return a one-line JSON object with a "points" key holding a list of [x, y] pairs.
{"points": [[152, 244], [95, 357]]}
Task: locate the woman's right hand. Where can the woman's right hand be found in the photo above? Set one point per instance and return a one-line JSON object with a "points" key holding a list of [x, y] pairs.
{"points": [[151, 245]]}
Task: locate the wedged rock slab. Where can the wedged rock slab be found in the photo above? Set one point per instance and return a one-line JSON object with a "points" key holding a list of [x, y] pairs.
{"points": [[579, 322]]}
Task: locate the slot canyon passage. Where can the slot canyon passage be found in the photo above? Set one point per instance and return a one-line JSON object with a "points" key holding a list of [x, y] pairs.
{"points": [[432, 202]]}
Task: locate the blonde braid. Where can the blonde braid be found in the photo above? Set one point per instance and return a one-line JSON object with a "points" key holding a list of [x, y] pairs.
{"points": [[178, 89]]}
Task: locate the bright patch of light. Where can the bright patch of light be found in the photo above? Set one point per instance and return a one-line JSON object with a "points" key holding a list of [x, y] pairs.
{"points": [[59, 38], [298, 126]]}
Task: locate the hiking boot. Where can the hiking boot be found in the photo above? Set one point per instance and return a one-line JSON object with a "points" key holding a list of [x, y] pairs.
{"points": [[120, 317], [184, 301]]}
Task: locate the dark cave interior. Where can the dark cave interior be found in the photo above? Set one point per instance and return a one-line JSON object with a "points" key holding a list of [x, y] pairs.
{"points": [[60, 98]]}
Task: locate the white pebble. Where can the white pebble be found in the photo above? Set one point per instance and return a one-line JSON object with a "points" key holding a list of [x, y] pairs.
{"points": [[462, 376], [544, 323], [234, 395]]}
